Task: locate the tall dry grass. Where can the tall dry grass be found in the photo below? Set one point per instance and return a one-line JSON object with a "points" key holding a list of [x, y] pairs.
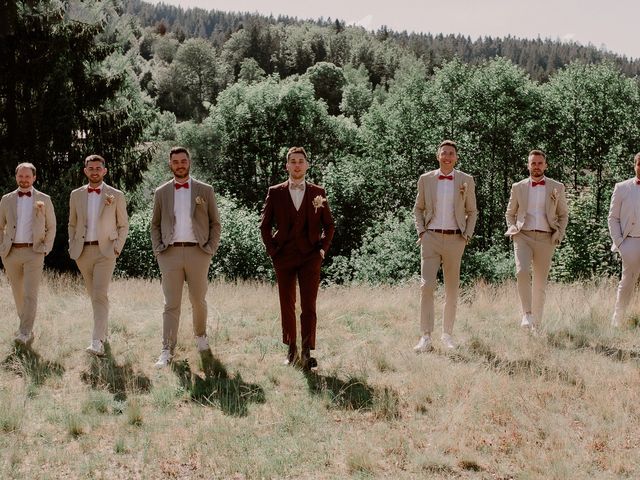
{"points": [[503, 405]]}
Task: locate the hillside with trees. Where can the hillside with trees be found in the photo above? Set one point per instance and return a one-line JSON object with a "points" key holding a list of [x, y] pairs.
{"points": [[128, 79]]}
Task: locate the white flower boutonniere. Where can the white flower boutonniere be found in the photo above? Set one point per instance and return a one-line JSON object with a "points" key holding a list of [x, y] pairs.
{"points": [[39, 207], [108, 199], [318, 202], [463, 189], [200, 200], [554, 195]]}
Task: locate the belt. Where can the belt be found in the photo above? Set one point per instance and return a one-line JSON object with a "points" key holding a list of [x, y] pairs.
{"points": [[21, 245], [446, 232], [537, 231], [183, 244], [95, 242]]}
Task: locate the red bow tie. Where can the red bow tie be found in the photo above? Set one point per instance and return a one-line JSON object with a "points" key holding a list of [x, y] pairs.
{"points": [[22, 194], [445, 177], [535, 184], [93, 190], [637, 182], [181, 185]]}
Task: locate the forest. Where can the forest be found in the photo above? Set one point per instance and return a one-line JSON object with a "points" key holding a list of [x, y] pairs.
{"points": [[129, 79]]}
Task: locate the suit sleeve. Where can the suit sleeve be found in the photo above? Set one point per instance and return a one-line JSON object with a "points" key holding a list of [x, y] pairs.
{"points": [[471, 209], [122, 222], [562, 211], [328, 226], [418, 208], [156, 221], [73, 219], [266, 223], [215, 227], [613, 219], [49, 226], [3, 219], [512, 208]]}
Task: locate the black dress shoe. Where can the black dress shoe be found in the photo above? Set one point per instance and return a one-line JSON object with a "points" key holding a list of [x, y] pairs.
{"points": [[293, 357], [307, 361]]}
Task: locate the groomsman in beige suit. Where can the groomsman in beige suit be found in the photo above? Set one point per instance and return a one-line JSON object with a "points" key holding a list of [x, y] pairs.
{"points": [[445, 217], [624, 228], [185, 234], [27, 230], [536, 222], [98, 228]]}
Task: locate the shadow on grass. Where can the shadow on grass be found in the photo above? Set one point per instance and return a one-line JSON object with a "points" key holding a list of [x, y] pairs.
{"points": [[354, 394], [27, 363], [478, 350], [566, 339], [232, 395], [104, 372]]}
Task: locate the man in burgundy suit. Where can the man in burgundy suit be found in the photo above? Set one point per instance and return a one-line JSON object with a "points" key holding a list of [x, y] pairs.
{"points": [[297, 228]]}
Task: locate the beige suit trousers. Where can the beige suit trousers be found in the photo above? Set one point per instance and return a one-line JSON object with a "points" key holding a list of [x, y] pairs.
{"points": [[533, 251], [630, 253], [24, 271], [177, 265], [96, 269], [446, 250]]}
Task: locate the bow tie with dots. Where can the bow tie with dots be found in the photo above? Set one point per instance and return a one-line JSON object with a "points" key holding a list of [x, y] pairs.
{"points": [[93, 190], [182, 185], [535, 184], [445, 177]]}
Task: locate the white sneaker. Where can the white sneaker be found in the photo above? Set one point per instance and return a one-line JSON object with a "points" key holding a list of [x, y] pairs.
{"points": [[96, 348], [527, 321], [164, 359], [447, 341], [24, 339], [202, 343], [424, 345]]}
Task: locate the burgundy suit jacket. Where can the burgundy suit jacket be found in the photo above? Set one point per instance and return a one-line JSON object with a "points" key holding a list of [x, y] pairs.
{"points": [[276, 225]]}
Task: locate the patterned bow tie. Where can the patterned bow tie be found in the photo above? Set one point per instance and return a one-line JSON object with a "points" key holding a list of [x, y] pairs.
{"points": [[94, 190], [535, 184], [296, 186], [445, 177], [22, 194], [637, 182], [181, 185]]}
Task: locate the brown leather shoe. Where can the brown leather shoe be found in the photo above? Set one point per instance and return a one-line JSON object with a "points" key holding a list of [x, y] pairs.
{"points": [[293, 357]]}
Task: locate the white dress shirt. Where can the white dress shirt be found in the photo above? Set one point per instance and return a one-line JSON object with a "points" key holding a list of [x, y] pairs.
{"points": [[536, 217], [635, 197], [183, 231], [296, 194], [93, 210], [444, 217], [24, 225]]}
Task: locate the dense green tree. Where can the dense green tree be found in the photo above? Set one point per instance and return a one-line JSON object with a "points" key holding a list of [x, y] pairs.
{"points": [[328, 82]]}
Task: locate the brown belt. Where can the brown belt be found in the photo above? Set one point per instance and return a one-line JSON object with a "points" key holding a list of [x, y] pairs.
{"points": [[21, 245], [537, 231], [183, 244], [95, 242], [446, 232]]}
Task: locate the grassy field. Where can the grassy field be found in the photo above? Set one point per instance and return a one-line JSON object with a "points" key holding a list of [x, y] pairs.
{"points": [[503, 405]]}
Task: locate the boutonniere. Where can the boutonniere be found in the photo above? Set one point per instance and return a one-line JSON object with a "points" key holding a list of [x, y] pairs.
{"points": [[463, 188], [39, 206], [200, 200], [108, 199], [554, 195], [318, 202]]}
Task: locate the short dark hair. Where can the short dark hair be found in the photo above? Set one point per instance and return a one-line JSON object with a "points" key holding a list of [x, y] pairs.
{"points": [[176, 150], [297, 150], [448, 143], [94, 158], [537, 152], [26, 165]]}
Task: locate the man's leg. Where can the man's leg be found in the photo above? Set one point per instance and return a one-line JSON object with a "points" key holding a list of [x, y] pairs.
{"points": [[523, 255], [429, 265], [196, 266], [451, 261], [543, 250], [171, 267], [309, 279], [630, 254], [286, 279]]}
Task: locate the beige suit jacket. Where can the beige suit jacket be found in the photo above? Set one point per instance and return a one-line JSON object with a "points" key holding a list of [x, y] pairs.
{"points": [[465, 209], [205, 217], [44, 222], [555, 208], [624, 212], [113, 221]]}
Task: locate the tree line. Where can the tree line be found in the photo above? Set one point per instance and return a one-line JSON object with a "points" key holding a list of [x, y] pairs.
{"points": [[369, 107]]}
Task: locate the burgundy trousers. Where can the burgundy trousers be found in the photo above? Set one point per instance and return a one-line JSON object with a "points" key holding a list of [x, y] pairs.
{"points": [[290, 265]]}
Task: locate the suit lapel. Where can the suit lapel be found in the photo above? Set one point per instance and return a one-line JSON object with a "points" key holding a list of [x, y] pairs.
{"points": [[433, 190], [524, 195], [13, 206], [83, 200], [169, 193], [194, 193], [105, 192]]}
